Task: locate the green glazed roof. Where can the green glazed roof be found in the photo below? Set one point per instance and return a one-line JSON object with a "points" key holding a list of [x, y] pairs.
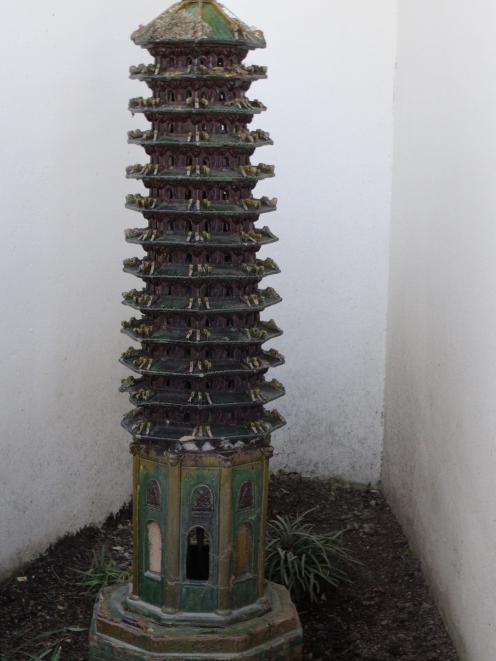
{"points": [[259, 334], [216, 305], [198, 21], [177, 367], [226, 434], [216, 399]]}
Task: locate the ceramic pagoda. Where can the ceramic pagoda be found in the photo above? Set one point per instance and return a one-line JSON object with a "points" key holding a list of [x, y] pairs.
{"points": [[201, 432]]}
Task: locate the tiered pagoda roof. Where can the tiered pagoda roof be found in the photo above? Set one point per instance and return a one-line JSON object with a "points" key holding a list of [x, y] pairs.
{"points": [[202, 369]]}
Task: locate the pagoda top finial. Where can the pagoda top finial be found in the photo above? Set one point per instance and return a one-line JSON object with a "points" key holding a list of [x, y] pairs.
{"points": [[198, 21]]}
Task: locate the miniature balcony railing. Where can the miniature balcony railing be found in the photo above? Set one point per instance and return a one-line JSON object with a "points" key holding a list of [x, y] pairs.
{"points": [[241, 140], [201, 172], [147, 269], [214, 435], [145, 302], [155, 72], [140, 362], [153, 105], [247, 206], [142, 395], [141, 331], [246, 240]]}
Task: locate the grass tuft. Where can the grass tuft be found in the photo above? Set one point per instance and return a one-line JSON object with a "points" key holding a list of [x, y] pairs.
{"points": [[305, 561], [102, 572]]}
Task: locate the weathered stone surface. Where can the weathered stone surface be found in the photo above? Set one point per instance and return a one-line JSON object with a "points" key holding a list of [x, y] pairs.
{"points": [[118, 635]]}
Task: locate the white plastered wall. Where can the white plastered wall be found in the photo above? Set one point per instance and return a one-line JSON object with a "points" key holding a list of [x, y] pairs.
{"points": [[63, 113], [440, 452]]}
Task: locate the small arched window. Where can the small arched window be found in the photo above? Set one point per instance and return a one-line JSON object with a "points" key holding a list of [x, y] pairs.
{"points": [[245, 500], [223, 127], [171, 161], [220, 61], [171, 127], [172, 61], [222, 96], [198, 555], [154, 538], [170, 193], [225, 195], [226, 161], [153, 494], [171, 96]]}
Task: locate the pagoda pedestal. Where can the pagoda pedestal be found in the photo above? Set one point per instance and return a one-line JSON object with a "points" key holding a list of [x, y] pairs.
{"points": [[201, 433], [115, 636]]}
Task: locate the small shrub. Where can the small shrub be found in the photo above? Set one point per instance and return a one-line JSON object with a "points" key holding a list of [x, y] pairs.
{"points": [[304, 560], [103, 571]]}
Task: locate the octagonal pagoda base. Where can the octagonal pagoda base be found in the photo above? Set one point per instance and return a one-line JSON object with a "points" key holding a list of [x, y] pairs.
{"points": [[120, 635]]}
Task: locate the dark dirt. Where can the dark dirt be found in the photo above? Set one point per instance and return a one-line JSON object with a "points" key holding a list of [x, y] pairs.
{"points": [[386, 613]]}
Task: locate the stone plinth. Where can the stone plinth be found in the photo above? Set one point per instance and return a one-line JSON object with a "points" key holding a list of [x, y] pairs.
{"points": [[120, 634]]}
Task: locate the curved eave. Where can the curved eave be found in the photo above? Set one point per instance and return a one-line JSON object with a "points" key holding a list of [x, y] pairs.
{"points": [[204, 144], [179, 399], [167, 77], [220, 177], [244, 44], [170, 368], [213, 210], [177, 274], [189, 110], [226, 337], [173, 305], [213, 242], [184, 435]]}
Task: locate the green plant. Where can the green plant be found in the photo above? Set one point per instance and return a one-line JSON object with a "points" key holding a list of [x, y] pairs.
{"points": [[303, 560], [52, 653], [102, 572]]}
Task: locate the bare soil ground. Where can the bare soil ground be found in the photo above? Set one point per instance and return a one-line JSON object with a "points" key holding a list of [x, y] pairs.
{"points": [[386, 613]]}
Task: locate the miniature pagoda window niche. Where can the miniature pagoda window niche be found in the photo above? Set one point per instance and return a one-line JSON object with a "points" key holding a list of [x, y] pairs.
{"points": [[246, 496], [244, 542], [154, 535], [153, 494], [202, 500], [198, 555]]}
